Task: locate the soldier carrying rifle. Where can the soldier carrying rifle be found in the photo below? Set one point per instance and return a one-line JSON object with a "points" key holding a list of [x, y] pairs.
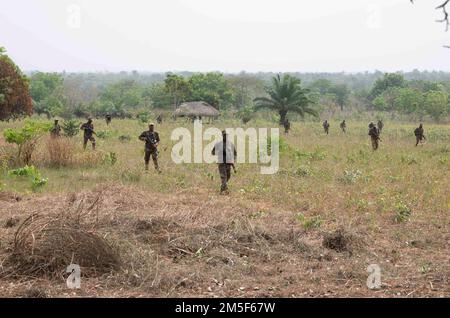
{"points": [[88, 129], [151, 138]]}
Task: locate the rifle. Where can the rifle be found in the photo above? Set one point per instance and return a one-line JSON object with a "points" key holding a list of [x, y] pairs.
{"points": [[90, 130]]}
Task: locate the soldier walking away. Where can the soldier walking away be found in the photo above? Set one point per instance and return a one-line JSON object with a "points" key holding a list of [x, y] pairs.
{"points": [[89, 133], [226, 153], [374, 134], [380, 125], [108, 119], [287, 126], [419, 133], [159, 119], [343, 126], [56, 130], [326, 126], [151, 138]]}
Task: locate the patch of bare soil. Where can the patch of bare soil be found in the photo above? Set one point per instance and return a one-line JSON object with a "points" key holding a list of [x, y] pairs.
{"points": [[132, 243]]}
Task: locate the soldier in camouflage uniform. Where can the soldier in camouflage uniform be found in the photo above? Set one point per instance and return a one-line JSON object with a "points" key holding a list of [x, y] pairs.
{"points": [[380, 126], [151, 138], [56, 130], [343, 126], [374, 134], [287, 126], [420, 134], [226, 153], [89, 133], [159, 119], [326, 126], [108, 119]]}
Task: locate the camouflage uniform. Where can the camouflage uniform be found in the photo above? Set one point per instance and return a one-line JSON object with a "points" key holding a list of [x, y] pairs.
{"points": [[88, 129], [419, 133], [226, 153], [151, 139], [380, 125], [56, 130], [287, 126], [374, 134], [108, 119], [326, 126], [343, 126], [159, 119]]}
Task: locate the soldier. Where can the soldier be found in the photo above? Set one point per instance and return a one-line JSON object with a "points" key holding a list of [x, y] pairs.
{"points": [[108, 119], [374, 135], [226, 153], [159, 119], [326, 126], [88, 129], [56, 130], [419, 133], [380, 125], [287, 126], [343, 126], [151, 138]]}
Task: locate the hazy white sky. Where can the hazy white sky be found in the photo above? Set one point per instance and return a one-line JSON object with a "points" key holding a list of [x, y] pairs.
{"points": [[225, 35]]}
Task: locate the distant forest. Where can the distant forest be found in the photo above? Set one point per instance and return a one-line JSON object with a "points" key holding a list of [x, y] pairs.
{"points": [[415, 95]]}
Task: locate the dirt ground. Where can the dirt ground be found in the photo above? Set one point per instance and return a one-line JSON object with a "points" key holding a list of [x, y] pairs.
{"points": [[198, 244]]}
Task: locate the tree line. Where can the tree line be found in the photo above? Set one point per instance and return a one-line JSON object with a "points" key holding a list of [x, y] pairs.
{"points": [[133, 94]]}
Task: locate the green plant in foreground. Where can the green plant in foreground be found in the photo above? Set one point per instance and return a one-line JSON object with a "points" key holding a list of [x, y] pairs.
{"points": [[402, 212], [309, 222], [37, 182], [111, 158]]}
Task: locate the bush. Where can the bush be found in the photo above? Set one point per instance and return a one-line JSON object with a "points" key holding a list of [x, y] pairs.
{"points": [[402, 212], [26, 139], [350, 176], [60, 151], [309, 222], [103, 134], [110, 158], [71, 127], [124, 138], [34, 175]]}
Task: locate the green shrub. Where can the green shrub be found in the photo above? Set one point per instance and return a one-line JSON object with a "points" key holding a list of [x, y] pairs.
{"points": [[103, 134], [124, 138], [309, 222], [71, 127], [37, 182], [350, 176], [402, 212], [110, 158]]}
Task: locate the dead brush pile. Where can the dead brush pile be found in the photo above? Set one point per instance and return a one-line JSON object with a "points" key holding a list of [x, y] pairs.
{"points": [[45, 244]]}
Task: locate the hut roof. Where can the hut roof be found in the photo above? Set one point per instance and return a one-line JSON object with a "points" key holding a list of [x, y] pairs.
{"points": [[196, 109]]}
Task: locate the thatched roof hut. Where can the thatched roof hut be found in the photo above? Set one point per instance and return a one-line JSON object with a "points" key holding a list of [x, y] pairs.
{"points": [[196, 109]]}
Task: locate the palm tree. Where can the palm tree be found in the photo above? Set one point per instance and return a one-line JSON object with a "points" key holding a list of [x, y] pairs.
{"points": [[286, 95]]}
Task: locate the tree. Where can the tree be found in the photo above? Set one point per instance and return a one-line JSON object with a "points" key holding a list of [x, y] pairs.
{"points": [[389, 80], [15, 99], [286, 95], [246, 114], [245, 88], [46, 91], [116, 97], [437, 104], [158, 95], [212, 88], [408, 100], [177, 87], [341, 93]]}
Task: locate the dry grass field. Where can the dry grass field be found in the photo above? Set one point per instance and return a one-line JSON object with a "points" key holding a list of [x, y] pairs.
{"points": [[311, 230]]}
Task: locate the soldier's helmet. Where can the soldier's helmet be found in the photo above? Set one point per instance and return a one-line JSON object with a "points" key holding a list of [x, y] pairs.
{"points": [[89, 120]]}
